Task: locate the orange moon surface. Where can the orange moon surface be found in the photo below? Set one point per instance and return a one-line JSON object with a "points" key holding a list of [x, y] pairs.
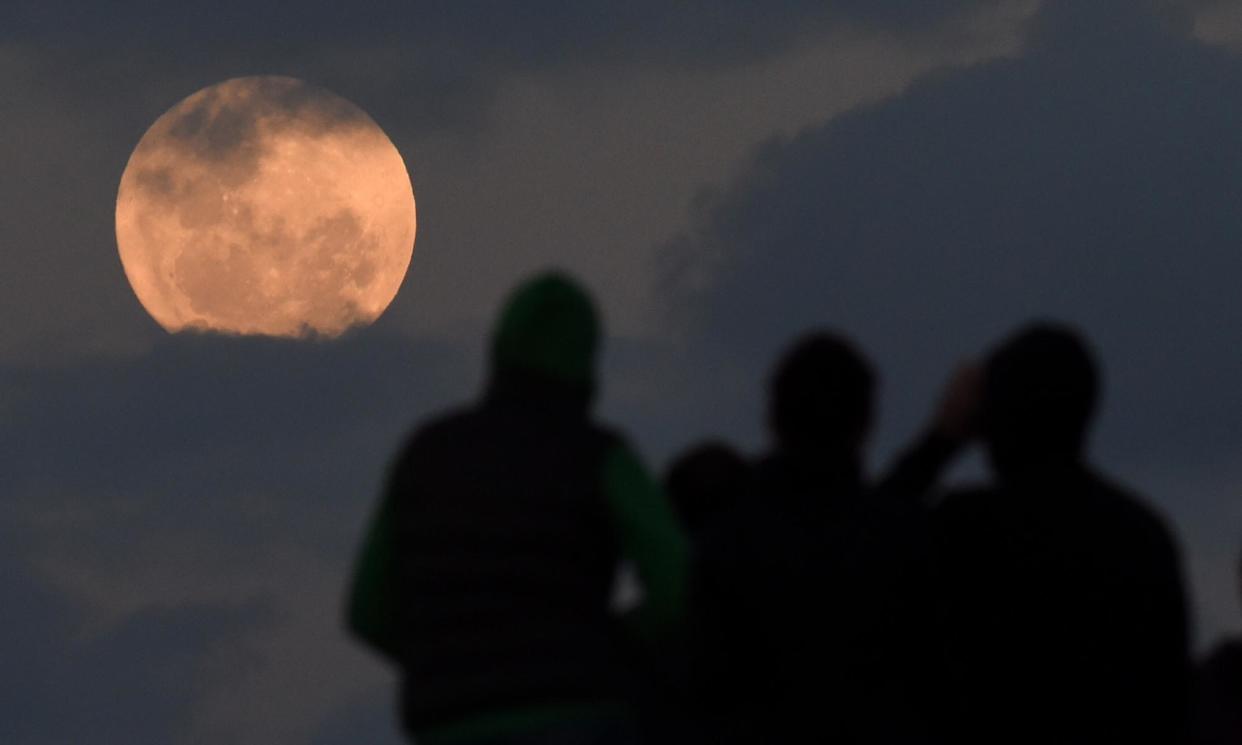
{"points": [[265, 205]]}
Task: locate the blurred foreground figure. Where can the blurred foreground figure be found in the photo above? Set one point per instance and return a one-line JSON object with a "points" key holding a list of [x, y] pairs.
{"points": [[808, 615], [1063, 607], [487, 573], [1218, 700], [705, 482]]}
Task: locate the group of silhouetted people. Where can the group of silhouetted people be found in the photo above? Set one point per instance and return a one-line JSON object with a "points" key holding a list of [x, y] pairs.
{"points": [[785, 599]]}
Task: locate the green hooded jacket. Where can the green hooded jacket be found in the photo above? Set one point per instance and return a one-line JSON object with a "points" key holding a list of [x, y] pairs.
{"points": [[546, 338]]}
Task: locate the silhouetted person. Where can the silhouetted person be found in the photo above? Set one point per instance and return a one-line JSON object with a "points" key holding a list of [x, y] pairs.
{"points": [[487, 574], [1063, 608], [807, 612], [705, 482], [1218, 693], [702, 484]]}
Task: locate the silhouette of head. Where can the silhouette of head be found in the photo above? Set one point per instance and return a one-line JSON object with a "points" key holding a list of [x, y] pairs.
{"points": [[548, 329], [820, 397], [706, 481], [1039, 395]]}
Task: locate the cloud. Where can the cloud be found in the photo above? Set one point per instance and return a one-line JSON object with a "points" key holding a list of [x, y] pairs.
{"points": [[134, 683], [194, 392], [179, 526], [372, 718], [487, 229], [1220, 22], [541, 32], [1096, 182], [617, 141], [450, 57]]}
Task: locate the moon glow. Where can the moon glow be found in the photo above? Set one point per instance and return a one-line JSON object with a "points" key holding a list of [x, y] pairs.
{"points": [[264, 205]]}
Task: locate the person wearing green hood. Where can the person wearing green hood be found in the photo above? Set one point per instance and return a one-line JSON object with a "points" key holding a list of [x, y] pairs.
{"points": [[487, 573]]}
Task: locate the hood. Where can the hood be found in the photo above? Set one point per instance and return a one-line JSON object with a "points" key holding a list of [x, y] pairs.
{"points": [[548, 329]]}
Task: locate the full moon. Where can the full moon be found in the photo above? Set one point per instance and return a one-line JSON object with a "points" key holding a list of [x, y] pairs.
{"points": [[265, 205]]}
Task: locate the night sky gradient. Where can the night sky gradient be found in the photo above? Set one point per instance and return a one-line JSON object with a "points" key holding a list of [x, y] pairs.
{"points": [[178, 514]]}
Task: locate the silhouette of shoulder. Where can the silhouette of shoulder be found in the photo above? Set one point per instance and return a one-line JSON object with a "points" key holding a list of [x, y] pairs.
{"points": [[1085, 499], [445, 427], [1087, 576], [1142, 516], [1218, 689], [485, 423], [1078, 545], [441, 425], [1221, 672], [1225, 664]]}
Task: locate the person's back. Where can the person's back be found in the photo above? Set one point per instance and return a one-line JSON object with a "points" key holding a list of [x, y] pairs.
{"points": [[1065, 618], [509, 561], [1063, 606], [806, 603], [488, 573]]}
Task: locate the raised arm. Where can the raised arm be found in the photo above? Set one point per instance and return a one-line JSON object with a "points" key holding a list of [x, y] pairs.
{"points": [[919, 468]]}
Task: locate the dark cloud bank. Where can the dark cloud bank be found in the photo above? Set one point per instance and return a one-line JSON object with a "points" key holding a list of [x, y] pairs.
{"points": [[427, 66], [543, 32], [1097, 179], [1097, 182], [227, 444], [201, 417], [135, 683]]}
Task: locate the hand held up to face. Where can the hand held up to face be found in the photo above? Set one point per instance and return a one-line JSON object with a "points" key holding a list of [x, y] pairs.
{"points": [[957, 415]]}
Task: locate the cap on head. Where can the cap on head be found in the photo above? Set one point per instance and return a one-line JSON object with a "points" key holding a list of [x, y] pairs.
{"points": [[821, 394], [1040, 391], [548, 327]]}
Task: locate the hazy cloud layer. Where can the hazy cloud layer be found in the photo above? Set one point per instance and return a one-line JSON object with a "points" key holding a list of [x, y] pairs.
{"points": [[537, 33], [179, 528], [447, 56], [135, 684]]}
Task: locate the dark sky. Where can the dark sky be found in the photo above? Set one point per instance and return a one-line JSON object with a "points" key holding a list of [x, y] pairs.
{"points": [[179, 512]]}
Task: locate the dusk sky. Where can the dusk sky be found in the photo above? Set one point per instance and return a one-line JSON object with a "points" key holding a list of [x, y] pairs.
{"points": [[179, 512]]}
